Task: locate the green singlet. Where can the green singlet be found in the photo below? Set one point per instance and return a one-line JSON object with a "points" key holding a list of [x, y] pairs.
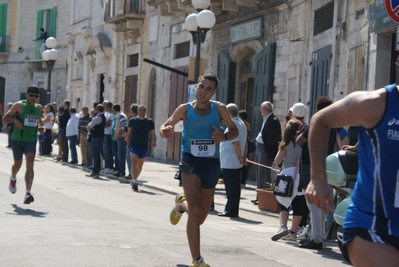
{"points": [[29, 119]]}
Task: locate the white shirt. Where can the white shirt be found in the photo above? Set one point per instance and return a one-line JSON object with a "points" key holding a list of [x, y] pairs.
{"points": [[259, 137], [49, 124], [228, 156], [72, 125], [109, 116]]}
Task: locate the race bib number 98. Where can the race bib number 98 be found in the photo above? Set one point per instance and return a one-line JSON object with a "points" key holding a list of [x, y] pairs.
{"points": [[203, 147], [31, 120]]}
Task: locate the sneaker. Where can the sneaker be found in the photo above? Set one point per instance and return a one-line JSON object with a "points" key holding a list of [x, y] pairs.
{"points": [[134, 185], [12, 186], [128, 177], [28, 198], [290, 237], [282, 231], [311, 245], [304, 235], [92, 174], [300, 230], [175, 213], [199, 263]]}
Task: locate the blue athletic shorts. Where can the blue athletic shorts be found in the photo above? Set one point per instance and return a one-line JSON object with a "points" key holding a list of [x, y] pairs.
{"points": [[372, 236], [21, 147], [140, 152], [208, 169]]}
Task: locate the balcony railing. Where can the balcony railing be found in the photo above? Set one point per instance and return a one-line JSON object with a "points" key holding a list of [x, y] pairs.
{"points": [[4, 44], [117, 10]]}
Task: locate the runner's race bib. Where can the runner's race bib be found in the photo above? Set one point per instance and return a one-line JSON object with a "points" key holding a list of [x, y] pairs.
{"points": [[31, 120], [203, 147]]}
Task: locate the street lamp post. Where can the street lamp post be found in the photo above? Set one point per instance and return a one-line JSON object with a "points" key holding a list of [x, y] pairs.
{"points": [[50, 56], [198, 25]]}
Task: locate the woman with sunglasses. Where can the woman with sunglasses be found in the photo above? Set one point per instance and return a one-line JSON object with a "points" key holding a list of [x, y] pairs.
{"points": [[25, 115]]}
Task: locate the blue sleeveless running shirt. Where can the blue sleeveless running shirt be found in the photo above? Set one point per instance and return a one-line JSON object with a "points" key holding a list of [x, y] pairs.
{"points": [[198, 130], [376, 194]]}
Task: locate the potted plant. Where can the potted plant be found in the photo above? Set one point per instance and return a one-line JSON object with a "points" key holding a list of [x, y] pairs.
{"points": [[267, 200]]}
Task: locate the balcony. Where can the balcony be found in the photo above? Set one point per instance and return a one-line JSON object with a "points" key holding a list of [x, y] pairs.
{"points": [[4, 44], [126, 14]]}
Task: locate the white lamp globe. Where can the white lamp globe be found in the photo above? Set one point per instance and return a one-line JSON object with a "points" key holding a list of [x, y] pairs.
{"points": [[45, 55], [51, 42], [206, 19], [191, 22], [53, 54], [201, 4]]}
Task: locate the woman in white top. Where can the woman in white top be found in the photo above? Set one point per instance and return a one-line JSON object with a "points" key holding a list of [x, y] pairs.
{"points": [[48, 120], [288, 154]]}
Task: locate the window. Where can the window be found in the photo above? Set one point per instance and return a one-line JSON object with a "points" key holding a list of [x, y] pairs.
{"points": [[323, 18], [182, 50], [3, 27], [46, 19], [132, 60]]}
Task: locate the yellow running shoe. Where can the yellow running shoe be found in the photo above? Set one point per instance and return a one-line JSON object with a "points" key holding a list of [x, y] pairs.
{"points": [[175, 213], [199, 263]]}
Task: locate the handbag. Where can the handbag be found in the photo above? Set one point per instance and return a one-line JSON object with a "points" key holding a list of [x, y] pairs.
{"points": [[251, 147], [284, 185]]}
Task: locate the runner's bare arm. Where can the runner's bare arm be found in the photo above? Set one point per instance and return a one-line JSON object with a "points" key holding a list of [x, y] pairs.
{"points": [[180, 113], [357, 109], [17, 108]]}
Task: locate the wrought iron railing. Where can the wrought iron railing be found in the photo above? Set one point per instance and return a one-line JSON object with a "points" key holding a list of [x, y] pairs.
{"points": [[4, 44], [114, 8]]}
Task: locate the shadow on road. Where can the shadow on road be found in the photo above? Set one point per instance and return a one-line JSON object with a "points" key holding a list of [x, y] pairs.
{"points": [[27, 212]]}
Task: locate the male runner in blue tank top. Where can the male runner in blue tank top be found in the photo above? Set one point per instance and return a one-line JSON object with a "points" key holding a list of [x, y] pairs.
{"points": [[371, 226], [199, 165]]}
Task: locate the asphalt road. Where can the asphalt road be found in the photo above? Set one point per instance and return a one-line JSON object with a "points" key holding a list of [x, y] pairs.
{"points": [[81, 221]]}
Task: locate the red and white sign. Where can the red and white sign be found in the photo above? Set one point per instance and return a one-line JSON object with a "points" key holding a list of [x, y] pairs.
{"points": [[392, 9]]}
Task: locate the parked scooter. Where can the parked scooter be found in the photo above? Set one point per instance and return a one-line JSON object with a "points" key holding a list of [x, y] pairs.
{"points": [[341, 170]]}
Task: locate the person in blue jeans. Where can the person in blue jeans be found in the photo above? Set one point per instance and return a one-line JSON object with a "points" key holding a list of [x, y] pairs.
{"points": [[107, 145], [72, 134], [371, 225], [96, 130], [119, 129]]}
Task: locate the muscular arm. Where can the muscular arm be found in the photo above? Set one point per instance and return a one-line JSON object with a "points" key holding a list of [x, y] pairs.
{"points": [[180, 113], [153, 138], [358, 109], [17, 108], [129, 132]]}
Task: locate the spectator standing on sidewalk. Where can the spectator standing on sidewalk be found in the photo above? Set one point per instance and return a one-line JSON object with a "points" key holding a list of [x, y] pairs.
{"points": [[85, 153], [288, 155], [107, 146], [132, 114], [26, 117], [72, 134], [96, 129], [63, 120], [199, 164], [232, 158], [139, 130], [47, 120], [119, 129], [243, 115]]}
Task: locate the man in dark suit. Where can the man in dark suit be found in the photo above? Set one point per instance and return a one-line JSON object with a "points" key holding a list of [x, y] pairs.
{"points": [[267, 145]]}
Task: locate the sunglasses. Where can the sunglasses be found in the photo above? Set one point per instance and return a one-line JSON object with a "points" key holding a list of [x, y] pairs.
{"points": [[33, 95]]}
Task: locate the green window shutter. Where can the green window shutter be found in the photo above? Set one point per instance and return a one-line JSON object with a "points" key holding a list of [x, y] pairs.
{"points": [[39, 25], [3, 26], [53, 23]]}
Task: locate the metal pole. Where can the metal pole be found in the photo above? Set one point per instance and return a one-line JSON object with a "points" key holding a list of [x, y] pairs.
{"points": [[49, 75], [198, 55]]}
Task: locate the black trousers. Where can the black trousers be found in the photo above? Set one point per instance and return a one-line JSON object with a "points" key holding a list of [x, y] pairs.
{"points": [[64, 145], [231, 178]]}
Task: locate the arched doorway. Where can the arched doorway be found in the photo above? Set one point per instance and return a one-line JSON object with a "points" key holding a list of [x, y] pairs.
{"points": [[246, 82]]}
